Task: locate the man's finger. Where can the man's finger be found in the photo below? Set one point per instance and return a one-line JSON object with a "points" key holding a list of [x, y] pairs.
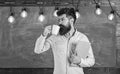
{"points": [[70, 59]]}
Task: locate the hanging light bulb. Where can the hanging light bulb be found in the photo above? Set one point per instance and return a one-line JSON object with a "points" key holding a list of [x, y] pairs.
{"points": [[98, 10], [111, 15], [55, 12], [11, 18], [24, 13], [41, 17], [77, 14]]}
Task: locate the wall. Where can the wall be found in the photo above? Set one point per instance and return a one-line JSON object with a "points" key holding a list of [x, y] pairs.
{"points": [[17, 40]]}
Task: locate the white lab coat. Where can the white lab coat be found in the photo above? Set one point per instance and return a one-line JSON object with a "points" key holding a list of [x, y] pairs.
{"points": [[61, 46]]}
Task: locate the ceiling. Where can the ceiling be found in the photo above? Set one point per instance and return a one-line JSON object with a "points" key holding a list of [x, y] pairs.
{"points": [[51, 2], [40, 2]]}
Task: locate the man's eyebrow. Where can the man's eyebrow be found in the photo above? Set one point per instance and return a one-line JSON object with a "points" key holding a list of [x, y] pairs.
{"points": [[58, 19]]}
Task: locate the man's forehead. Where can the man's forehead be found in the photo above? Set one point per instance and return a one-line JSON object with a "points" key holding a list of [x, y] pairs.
{"points": [[62, 16]]}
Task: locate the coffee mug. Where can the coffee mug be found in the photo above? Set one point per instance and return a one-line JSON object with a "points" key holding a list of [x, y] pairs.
{"points": [[55, 29]]}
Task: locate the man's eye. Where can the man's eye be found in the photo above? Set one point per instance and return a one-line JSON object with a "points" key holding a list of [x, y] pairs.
{"points": [[62, 19], [59, 20]]}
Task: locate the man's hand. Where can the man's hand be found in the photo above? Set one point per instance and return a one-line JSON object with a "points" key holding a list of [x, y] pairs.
{"points": [[75, 59], [47, 31]]}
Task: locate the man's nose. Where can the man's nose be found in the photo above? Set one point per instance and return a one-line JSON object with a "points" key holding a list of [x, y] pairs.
{"points": [[60, 22]]}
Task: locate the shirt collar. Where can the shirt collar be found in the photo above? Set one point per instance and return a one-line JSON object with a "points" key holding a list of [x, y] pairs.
{"points": [[70, 33]]}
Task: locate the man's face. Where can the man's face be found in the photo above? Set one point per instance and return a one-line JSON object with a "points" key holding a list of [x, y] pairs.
{"points": [[64, 20], [64, 24]]}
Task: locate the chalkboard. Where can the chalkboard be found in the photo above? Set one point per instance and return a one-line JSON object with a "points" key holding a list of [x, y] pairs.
{"points": [[17, 40]]}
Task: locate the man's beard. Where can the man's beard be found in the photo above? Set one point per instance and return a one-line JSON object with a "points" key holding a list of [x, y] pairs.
{"points": [[64, 30]]}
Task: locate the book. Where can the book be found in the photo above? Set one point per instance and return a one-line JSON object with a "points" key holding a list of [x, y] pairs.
{"points": [[82, 49]]}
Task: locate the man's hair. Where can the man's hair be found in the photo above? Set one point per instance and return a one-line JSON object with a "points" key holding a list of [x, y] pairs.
{"points": [[68, 12]]}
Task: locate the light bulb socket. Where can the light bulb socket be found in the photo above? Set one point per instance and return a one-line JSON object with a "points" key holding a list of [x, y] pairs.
{"points": [[97, 6], [56, 8], [76, 10], [24, 9], [112, 12], [11, 14], [41, 13]]}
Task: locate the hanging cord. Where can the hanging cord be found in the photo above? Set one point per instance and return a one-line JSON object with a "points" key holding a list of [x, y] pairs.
{"points": [[113, 9], [73, 3], [95, 2], [56, 6], [78, 4], [54, 2], [41, 8], [110, 5], [11, 11]]}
